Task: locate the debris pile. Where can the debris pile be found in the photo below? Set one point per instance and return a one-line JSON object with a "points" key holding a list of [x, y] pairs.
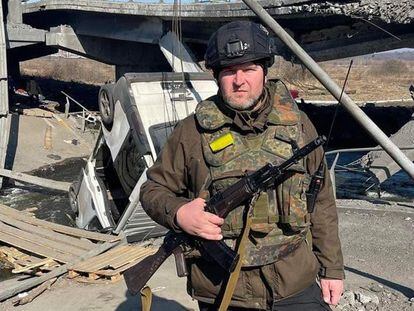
{"points": [[384, 10], [372, 298], [38, 251]]}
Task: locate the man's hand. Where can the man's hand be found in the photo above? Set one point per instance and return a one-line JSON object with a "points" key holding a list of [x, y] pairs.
{"points": [[192, 218], [332, 290]]}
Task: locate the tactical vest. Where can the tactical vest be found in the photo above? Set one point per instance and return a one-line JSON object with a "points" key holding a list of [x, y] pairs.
{"points": [[280, 219]]}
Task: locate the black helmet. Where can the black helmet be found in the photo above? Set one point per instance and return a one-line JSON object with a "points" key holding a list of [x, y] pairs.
{"points": [[237, 43]]}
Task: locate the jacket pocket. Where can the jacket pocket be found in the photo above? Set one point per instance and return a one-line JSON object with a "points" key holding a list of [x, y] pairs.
{"points": [[206, 279], [296, 271]]}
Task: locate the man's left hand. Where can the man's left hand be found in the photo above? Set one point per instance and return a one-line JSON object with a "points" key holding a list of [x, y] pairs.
{"points": [[332, 290]]}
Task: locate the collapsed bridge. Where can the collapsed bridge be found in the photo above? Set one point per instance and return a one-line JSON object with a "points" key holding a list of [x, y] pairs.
{"points": [[128, 35], [138, 37]]}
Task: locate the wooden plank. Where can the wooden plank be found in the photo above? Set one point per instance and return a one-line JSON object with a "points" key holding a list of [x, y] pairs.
{"points": [[114, 258], [69, 240], [21, 286], [133, 256], [20, 259], [34, 292], [34, 265], [35, 239], [5, 210], [109, 273], [127, 256], [98, 262], [118, 257], [15, 255], [92, 276], [72, 274], [35, 248], [121, 269], [42, 182]]}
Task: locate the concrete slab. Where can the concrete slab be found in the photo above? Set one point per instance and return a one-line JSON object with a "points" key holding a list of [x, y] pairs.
{"points": [[30, 147], [381, 164]]}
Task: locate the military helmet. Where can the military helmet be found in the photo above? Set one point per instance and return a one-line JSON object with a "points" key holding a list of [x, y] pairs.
{"points": [[237, 43]]}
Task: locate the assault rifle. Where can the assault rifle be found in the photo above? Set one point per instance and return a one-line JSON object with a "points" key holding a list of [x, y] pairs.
{"points": [[221, 204]]}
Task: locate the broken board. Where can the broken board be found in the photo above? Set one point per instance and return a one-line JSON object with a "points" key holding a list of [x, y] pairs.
{"points": [[108, 267], [48, 240]]}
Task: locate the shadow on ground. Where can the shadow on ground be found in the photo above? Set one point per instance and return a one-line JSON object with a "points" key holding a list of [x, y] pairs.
{"points": [[406, 291], [158, 304]]}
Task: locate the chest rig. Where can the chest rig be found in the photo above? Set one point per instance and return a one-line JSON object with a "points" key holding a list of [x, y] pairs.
{"points": [[280, 219]]}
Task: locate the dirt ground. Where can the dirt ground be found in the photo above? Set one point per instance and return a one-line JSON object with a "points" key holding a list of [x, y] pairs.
{"points": [[370, 78], [377, 243], [63, 140]]}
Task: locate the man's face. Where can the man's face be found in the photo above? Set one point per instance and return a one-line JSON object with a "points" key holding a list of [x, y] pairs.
{"points": [[241, 85]]}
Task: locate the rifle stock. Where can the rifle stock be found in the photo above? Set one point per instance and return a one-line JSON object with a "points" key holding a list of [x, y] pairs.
{"points": [[138, 275]]}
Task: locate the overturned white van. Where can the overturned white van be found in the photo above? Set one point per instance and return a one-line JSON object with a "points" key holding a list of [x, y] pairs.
{"points": [[138, 113]]}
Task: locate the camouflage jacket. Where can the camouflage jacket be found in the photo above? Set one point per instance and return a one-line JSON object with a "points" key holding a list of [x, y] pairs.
{"points": [[178, 176], [280, 219]]}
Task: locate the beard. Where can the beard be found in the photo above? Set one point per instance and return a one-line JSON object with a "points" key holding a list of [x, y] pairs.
{"points": [[249, 103]]}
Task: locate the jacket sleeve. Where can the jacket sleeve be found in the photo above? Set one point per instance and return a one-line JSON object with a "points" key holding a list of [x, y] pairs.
{"points": [[165, 190], [324, 219]]}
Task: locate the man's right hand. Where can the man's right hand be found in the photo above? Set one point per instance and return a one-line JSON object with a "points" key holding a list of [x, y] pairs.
{"points": [[193, 219]]}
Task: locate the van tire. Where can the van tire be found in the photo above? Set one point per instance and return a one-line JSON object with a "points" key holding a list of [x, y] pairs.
{"points": [[106, 104]]}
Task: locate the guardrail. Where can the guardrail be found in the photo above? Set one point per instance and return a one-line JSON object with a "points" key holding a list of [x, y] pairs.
{"points": [[351, 150], [87, 116]]}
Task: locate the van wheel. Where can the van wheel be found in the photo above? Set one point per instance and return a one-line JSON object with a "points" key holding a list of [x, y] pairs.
{"points": [[106, 104]]}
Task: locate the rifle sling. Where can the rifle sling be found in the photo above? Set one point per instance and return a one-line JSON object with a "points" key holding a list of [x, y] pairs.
{"points": [[234, 276], [146, 298]]}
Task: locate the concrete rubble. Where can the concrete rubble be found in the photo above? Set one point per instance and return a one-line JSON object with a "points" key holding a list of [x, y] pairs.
{"points": [[388, 11], [372, 298]]}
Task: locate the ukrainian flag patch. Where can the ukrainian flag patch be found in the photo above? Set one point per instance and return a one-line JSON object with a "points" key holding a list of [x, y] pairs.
{"points": [[222, 142]]}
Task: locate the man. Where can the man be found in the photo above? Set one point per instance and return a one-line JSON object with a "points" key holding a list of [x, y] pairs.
{"points": [[249, 123]]}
